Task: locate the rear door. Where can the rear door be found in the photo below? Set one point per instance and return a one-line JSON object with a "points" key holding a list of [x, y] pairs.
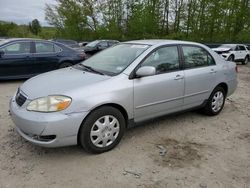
{"points": [[47, 56], [237, 54], [17, 60], [243, 52], [200, 75], [161, 93]]}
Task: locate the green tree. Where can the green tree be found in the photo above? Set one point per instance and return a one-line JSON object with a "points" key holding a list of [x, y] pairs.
{"points": [[35, 27]]}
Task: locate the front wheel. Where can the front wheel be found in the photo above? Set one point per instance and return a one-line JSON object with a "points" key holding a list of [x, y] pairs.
{"points": [[231, 58], [215, 102], [102, 130]]}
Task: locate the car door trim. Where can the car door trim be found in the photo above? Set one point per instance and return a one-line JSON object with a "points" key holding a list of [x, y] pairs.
{"points": [[169, 100], [158, 102]]}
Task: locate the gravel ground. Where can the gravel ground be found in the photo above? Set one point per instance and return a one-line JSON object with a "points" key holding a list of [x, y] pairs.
{"points": [[187, 150]]}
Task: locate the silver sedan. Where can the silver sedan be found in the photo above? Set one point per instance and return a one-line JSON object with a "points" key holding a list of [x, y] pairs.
{"points": [[92, 103]]}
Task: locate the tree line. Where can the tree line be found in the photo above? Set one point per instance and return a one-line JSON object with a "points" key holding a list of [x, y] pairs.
{"points": [[32, 30], [196, 20]]}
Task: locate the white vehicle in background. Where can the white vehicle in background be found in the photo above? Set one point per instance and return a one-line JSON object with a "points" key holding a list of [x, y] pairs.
{"points": [[234, 52]]}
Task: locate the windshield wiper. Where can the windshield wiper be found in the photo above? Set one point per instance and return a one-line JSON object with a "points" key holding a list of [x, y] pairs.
{"points": [[91, 69]]}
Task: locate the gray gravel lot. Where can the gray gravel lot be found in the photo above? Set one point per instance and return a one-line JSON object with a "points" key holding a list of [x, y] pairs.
{"points": [[196, 151]]}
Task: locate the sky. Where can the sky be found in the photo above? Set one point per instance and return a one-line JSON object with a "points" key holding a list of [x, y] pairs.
{"points": [[24, 11]]}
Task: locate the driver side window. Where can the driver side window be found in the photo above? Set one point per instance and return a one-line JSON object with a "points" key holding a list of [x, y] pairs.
{"points": [[164, 59], [17, 48]]}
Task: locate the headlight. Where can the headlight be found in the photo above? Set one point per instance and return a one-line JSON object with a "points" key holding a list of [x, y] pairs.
{"points": [[49, 104]]}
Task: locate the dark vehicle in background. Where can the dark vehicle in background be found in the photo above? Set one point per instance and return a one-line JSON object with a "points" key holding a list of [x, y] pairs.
{"points": [[70, 43], [25, 58], [98, 45]]}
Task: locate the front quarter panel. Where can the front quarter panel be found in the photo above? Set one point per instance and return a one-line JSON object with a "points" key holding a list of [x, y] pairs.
{"points": [[117, 90]]}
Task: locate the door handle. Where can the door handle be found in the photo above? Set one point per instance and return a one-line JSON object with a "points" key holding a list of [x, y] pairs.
{"points": [[212, 71], [178, 77]]}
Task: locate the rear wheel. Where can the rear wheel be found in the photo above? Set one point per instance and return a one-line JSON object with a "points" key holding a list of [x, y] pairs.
{"points": [[65, 64], [246, 60], [102, 130], [215, 102]]}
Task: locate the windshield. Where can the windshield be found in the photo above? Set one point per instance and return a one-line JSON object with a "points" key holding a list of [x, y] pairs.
{"points": [[93, 44], [227, 46], [114, 60]]}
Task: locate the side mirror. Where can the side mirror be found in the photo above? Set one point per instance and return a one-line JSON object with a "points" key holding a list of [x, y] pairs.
{"points": [[146, 71], [1, 53]]}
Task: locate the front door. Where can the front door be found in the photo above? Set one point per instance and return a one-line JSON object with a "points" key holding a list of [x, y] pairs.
{"points": [[17, 61], [161, 93]]}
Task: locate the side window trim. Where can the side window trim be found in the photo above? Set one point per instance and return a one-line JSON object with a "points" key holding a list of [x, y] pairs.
{"points": [[11, 43], [193, 45], [132, 74]]}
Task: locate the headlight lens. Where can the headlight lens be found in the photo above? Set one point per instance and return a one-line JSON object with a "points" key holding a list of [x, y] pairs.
{"points": [[49, 104]]}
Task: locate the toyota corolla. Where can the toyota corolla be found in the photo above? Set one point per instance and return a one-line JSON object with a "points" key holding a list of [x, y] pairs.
{"points": [[93, 102]]}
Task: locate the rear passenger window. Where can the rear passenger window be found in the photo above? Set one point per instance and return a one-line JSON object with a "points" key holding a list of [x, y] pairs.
{"points": [[196, 57], [44, 47], [103, 44], [242, 48], [164, 59]]}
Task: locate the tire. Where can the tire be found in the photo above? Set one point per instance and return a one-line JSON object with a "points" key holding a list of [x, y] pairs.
{"points": [[246, 60], [88, 55], [65, 64], [231, 58], [210, 108], [96, 137]]}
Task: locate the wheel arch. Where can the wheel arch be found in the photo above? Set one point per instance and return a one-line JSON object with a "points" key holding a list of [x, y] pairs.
{"points": [[232, 54], [114, 105], [224, 86]]}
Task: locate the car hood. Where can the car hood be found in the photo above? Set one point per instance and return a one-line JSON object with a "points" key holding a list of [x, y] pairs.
{"points": [[221, 49], [59, 82]]}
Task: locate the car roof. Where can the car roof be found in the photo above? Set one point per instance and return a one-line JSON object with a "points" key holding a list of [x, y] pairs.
{"points": [[107, 40], [153, 42], [21, 39], [234, 44]]}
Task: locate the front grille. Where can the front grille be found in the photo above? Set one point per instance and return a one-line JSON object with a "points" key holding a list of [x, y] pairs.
{"points": [[20, 98]]}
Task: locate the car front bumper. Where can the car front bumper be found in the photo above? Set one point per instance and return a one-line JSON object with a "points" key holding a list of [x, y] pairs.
{"points": [[58, 128]]}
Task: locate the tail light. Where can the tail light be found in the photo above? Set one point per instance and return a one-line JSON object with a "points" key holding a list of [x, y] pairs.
{"points": [[236, 69]]}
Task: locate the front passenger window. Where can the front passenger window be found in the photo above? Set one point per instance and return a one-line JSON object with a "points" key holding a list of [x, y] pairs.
{"points": [[165, 59], [17, 48]]}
